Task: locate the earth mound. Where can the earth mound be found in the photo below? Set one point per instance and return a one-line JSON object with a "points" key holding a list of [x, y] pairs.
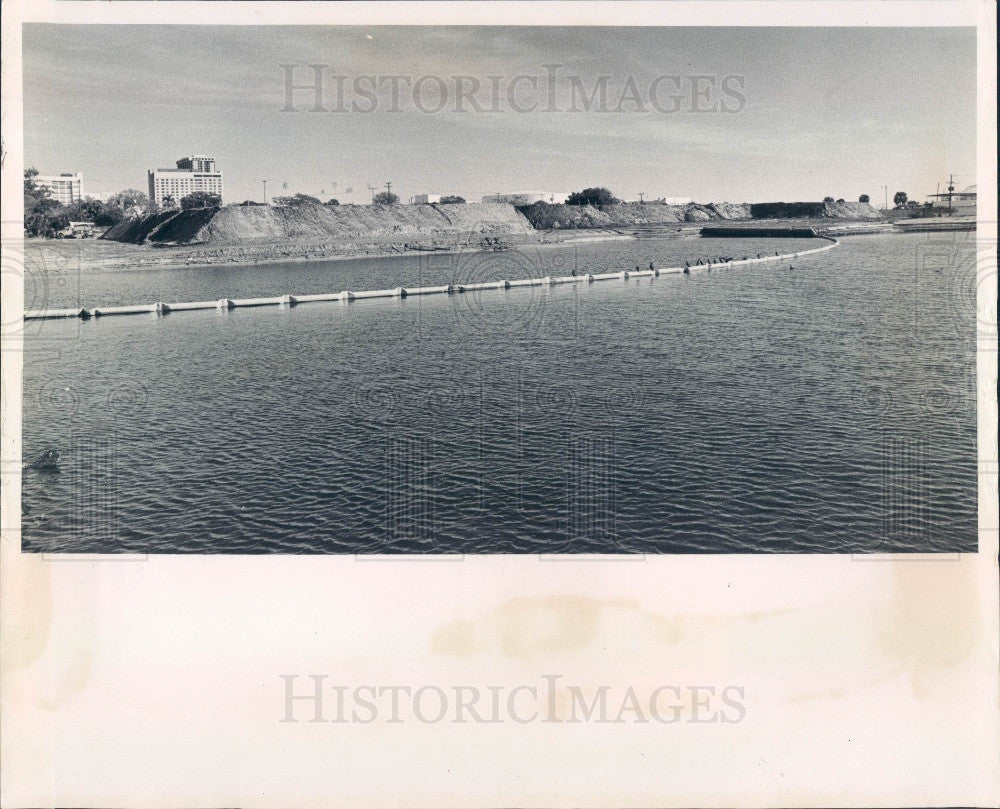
{"points": [[237, 224]]}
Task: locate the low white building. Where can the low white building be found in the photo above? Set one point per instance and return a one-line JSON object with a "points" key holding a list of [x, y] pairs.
{"points": [[960, 203], [529, 197], [425, 199], [65, 188], [650, 200]]}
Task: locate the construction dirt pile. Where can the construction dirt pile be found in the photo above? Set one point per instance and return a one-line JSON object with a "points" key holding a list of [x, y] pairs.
{"points": [[138, 230], [318, 223], [254, 231], [731, 210], [814, 210], [628, 214], [649, 215], [850, 210]]}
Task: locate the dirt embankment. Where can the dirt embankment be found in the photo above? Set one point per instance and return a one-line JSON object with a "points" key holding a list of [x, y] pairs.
{"points": [[635, 215], [238, 234], [623, 215], [814, 210], [850, 210], [320, 223]]}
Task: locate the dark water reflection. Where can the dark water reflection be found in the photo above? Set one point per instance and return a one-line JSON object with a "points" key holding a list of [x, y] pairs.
{"points": [[829, 408]]}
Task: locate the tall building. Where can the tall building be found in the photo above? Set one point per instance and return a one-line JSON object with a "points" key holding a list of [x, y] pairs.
{"points": [[65, 188], [196, 173], [197, 163]]}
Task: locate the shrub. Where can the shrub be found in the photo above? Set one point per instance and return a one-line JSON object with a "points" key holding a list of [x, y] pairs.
{"points": [[200, 199], [296, 199], [592, 196]]}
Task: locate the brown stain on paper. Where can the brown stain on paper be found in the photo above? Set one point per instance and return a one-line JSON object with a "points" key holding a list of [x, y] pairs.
{"points": [[933, 620], [49, 670], [28, 611], [527, 627], [926, 625], [534, 627], [928, 622]]}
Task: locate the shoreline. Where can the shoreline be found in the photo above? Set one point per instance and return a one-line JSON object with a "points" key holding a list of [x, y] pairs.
{"points": [[161, 308], [94, 254], [98, 255]]}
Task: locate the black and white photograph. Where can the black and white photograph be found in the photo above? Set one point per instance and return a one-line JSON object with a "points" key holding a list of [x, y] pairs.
{"points": [[499, 290], [566, 404]]}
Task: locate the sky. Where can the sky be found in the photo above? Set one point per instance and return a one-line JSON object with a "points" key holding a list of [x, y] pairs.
{"points": [[712, 114]]}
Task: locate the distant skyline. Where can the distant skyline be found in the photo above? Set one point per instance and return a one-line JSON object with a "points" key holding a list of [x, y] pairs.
{"points": [[813, 112]]}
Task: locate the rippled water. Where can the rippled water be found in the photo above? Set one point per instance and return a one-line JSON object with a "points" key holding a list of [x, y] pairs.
{"points": [[829, 408]]}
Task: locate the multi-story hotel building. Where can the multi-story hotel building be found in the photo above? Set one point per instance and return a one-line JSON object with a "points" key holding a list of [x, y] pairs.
{"points": [[196, 173], [65, 188]]}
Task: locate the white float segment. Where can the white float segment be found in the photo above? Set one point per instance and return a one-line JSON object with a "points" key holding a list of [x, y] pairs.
{"points": [[243, 302], [103, 311]]}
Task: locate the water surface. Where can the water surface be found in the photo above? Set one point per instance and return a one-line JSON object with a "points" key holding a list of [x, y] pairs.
{"points": [[825, 408]]}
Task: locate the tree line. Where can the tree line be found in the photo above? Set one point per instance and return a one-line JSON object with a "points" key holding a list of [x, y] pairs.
{"points": [[45, 216]]}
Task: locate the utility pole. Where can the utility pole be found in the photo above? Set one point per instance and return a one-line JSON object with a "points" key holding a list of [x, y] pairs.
{"points": [[886, 197], [388, 191], [372, 188], [951, 187], [265, 191], [641, 193]]}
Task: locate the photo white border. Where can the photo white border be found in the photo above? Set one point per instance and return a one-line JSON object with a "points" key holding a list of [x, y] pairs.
{"points": [[154, 681]]}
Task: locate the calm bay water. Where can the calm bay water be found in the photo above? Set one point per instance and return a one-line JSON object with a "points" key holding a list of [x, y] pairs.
{"points": [[825, 408]]}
